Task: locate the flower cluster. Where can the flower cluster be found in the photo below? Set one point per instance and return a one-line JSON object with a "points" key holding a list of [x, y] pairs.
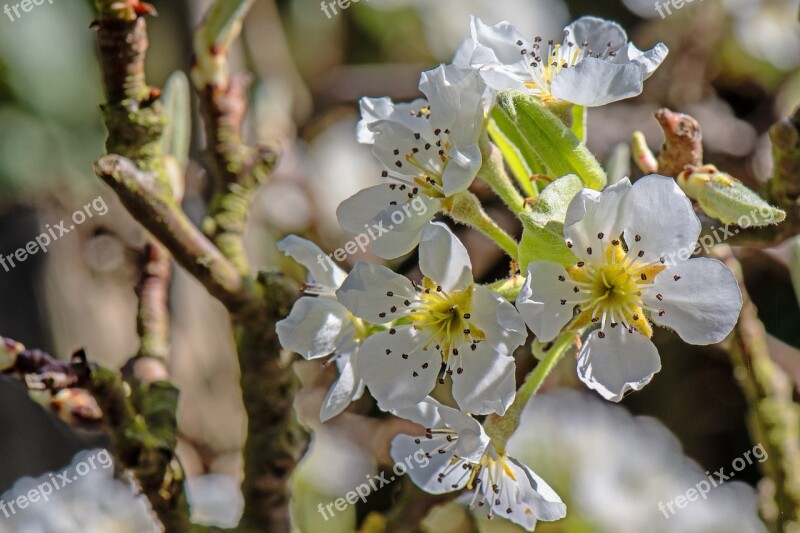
{"points": [[444, 334]]}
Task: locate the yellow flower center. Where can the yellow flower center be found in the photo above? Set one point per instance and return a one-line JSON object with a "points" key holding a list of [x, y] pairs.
{"points": [[612, 291], [446, 317]]}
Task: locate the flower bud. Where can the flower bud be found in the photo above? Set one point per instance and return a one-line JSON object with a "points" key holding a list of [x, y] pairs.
{"points": [[727, 199]]}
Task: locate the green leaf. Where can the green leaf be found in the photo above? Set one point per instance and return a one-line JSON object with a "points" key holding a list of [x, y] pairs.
{"points": [[727, 199], [579, 119], [543, 228], [223, 22], [519, 167], [540, 131], [177, 107]]}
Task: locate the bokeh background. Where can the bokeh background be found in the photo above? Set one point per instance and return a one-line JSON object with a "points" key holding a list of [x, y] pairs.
{"points": [[733, 64]]}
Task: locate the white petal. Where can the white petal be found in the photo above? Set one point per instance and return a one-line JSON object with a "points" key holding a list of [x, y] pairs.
{"points": [[398, 229], [472, 439], [458, 99], [365, 292], [454, 94], [356, 213], [597, 33], [393, 230], [425, 413], [592, 213], [394, 141], [397, 243], [594, 82], [659, 212], [375, 109], [501, 39], [464, 53], [498, 319], [443, 259], [461, 169], [650, 60], [497, 55], [486, 384], [500, 77], [425, 473], [372, 110], [346, 388], [545, 503], [702, 305], [314, 327], [320, 267], [539, 301], [619, 362], [396, 381]]}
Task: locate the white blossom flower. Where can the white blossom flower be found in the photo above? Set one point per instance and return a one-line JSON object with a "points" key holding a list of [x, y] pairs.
{"points": [[319, 326], [594, 64], [447, 319], [89, 502], [215, 500], [631, 468], [623, 281], [460, 455], [429, 150]]}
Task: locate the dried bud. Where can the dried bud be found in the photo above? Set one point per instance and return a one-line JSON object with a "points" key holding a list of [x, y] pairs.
{"points": [[9, 350], [76, 405]]}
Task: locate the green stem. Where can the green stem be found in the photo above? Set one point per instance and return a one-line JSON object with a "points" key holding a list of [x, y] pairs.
{"points": [[499, 428], [494, 173], [465, 208]]}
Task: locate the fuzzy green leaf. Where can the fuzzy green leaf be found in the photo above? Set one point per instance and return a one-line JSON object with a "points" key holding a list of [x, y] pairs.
{"points": [[543, 228], [522, 166], [541, 132]]}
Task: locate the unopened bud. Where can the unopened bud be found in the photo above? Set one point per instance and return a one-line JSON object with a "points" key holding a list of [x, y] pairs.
{"points": [[727, 199]]}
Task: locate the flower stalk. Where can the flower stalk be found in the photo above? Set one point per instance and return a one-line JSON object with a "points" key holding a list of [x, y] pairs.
{"points": [[465, 208], [501, 428], [493, 172]]}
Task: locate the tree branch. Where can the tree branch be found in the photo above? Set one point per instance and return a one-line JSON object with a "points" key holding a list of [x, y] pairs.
{"points": [[238, 168], [83, 392], [773, 418], [275, 440], [152, 320], [167, 222]]}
